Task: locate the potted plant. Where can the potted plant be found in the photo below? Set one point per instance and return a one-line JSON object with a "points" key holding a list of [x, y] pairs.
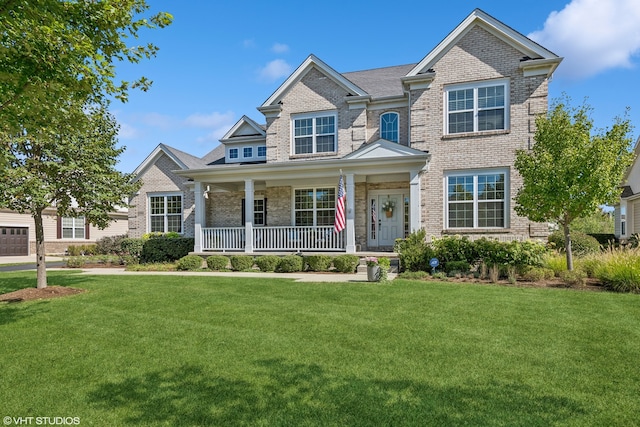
{"points": [[377, 269]]}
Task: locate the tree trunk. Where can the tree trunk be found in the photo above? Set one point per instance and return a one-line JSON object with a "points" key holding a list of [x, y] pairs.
{"points": [[40, 249], [567, 246]]}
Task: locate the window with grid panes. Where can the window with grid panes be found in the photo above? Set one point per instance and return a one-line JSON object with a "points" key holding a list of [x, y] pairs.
{"points": [[314, 206], [73, 228], [315, 134], [165, 213], [477, 108], [476, 200]]}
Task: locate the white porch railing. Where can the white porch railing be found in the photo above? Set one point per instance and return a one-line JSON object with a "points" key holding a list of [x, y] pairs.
{"points": [[284, 238]]}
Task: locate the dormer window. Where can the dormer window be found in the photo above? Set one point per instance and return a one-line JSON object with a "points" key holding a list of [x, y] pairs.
{"points": [[247, 152], [315, 133], [389, 125], [262, 151], [233, 153]]}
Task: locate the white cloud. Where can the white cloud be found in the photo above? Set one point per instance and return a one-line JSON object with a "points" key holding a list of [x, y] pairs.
{"points": [[279, 48], [592, 36], [127, 131], [274, 70], [249, 43], [212, 120]]}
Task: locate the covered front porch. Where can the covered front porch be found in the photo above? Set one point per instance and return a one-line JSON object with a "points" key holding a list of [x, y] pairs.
{"points": [[294, 203]]}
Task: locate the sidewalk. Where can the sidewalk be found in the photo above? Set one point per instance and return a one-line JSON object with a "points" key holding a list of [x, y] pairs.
{"points": [[29, 262]]}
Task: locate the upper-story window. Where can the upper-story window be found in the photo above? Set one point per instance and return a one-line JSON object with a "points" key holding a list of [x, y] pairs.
{"points": [[314, 134], [389, 126], [477, 107], [262, 151], [247, 152], [233, 153]]}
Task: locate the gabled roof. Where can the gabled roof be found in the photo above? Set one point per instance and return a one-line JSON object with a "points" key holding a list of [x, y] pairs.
{"points": [[383, 148], [312, 62], [245, 127], [180, 158], [381, 82], [528, 47]]}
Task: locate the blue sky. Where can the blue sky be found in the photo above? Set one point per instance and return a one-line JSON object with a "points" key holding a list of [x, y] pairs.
{"points": [[220, 60]]}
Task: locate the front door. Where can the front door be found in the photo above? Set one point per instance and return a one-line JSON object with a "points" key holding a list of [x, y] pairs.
{"points": [[387, 219]]}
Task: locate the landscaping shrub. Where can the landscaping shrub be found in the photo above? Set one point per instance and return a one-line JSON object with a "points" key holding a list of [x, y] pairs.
{"points": [[165, 249], [620, 270], [75, 262], [346, 263], [190, 263], [110, 245], [241, 262], [556, 262], [581, 243], [538, 274], [454, 248], [289, 264], [78, 250], [318, 262], [414, 275], [414, 252], [456, 267], [267, 262], [217, 262], [131, 246], [573, 278], [385, 264], [605, 239]]}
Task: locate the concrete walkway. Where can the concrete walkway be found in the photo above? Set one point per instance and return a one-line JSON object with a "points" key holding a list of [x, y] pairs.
{"points": [[29, 263]]}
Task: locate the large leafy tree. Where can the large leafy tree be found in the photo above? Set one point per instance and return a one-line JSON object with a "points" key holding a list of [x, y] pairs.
{"points": [[57, 77], [572, 169]]}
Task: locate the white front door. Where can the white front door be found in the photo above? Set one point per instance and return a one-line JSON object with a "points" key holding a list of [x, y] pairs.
{"points": [[386, 219]]}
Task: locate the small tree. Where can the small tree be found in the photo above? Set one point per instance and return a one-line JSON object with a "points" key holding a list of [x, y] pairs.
{"points": [[570, 171]]}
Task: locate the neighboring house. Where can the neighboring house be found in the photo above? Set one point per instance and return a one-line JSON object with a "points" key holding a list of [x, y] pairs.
{"points": [[18, 235], [429, 145], [627, 211]]}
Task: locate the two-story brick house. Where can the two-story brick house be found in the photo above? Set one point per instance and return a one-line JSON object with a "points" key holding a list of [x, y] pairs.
{"points": [[429, 145]]}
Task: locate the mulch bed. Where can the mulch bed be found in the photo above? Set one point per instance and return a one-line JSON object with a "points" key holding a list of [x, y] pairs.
{"points": [[30, 294]]}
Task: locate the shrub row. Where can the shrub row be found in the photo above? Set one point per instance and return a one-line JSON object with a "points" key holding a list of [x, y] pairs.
{"points": [[456, 253], [284, 264]]}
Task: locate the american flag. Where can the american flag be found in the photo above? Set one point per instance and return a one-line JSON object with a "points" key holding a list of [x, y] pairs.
{"points": [[340, 216]]}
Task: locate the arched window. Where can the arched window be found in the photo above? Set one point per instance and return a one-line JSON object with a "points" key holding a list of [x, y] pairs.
{"points": [[389, 126]]}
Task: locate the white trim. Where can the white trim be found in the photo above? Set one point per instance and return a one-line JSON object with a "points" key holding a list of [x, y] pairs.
{"points": [[314, 116], [505, 33], [397, 114], [244, 120], [153, 157], [165, 195], [315, 209]]}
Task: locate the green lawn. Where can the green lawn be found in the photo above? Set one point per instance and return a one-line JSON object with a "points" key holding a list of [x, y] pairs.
{"points": [[168, 350]]}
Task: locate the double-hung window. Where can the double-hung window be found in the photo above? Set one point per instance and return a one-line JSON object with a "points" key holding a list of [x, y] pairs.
{"points": [[314, 206], [389, 126], [73, 228], [476, 200], [314, 134], [477, 108], [165, 213]]}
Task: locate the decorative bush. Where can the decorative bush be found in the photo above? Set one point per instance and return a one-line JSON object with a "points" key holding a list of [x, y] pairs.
{"points": [[346, 263], [414, 275], [454, 248], [241, 262], [456, 267], [131, 246], [289, 264], [581, 244], [79, 250], [267, 262], [190, 263], [165, 249], [556, 262], [538, 274], [384, 263], [110, 245], [573, 278], [75, 262], [414, 252], [318, 262], [217, 262]]}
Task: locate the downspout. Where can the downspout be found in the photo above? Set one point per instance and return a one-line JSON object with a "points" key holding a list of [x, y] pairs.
{"points": [[408, 92]]}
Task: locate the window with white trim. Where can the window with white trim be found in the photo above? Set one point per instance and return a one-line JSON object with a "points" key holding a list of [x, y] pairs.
{"points": [[73, 228], [262, 151], [389, 125], [476, 200], [314, 134], [247, 152], [233, 153], [477, 108], [165, 213], [314, 206]]}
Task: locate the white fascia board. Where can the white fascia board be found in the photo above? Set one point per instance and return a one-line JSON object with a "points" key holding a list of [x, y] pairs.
{"points": [[151, 159], [539, 67], [309, 63], [507, 34], [244, 120]]}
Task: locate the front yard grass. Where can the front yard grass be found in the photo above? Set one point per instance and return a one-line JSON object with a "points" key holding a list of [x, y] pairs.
{"points": [[184, 350]]}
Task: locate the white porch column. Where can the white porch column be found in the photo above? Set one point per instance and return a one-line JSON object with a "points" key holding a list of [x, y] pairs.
{"points": [[415, 192], [248, 215], [350, 228], [199, 220]]}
